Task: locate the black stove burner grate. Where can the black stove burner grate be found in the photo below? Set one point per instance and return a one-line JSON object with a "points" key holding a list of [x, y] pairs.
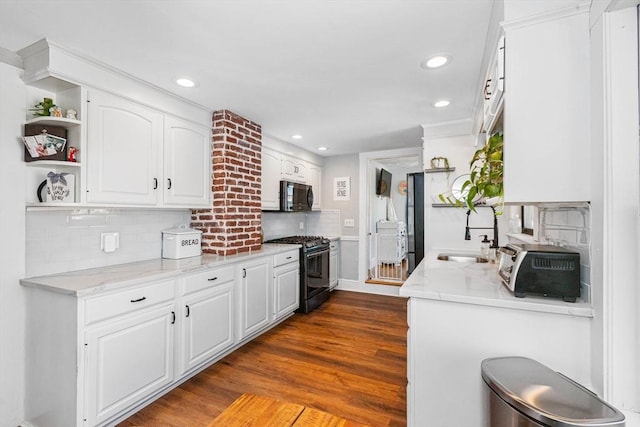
{"points": [[306, 241]]}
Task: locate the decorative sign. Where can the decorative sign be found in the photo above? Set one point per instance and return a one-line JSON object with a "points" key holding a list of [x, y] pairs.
{"points": [[402, 187], [342, 188]]}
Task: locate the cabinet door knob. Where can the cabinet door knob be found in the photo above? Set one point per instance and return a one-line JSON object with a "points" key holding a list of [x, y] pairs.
{"points": [[168, 183], [244, 273], [188, 310], [155, 183], [173, 317]]}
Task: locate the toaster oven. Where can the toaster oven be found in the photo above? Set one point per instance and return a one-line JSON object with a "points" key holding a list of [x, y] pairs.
{"points": [[545, 270]]}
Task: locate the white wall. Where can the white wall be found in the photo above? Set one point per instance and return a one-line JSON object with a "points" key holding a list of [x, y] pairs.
{"points": [[338, 167], [12, 251], [445, 226]]}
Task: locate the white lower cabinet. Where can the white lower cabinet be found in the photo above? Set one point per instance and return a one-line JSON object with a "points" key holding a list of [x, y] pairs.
{"points": [[286, 283], [95, 359], [255, 287], [127, 360], [447, 342], [207, 321]]}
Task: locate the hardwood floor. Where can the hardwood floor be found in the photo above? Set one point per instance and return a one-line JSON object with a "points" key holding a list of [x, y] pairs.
{"points": [[347, 358]]}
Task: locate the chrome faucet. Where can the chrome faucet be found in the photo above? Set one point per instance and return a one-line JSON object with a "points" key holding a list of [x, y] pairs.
{"points": [[467, 233]]}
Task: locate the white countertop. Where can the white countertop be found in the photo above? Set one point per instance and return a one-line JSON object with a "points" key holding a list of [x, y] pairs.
{"points": [[103, 279], [476, 283]]}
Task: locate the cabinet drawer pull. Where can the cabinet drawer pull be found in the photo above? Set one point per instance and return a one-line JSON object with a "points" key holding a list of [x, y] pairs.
{"points": [[139, 299], [155, 183], [173, 317], [289, 257], [168, 183], [212, 279], [188, 310], [487, 94], [244, 273]]}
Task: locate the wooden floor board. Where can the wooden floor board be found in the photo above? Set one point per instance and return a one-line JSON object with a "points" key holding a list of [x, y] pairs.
{"points": [[346, 358]]}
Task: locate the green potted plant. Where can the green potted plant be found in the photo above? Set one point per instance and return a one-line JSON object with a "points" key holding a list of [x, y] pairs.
{"points": [[485, 182]]}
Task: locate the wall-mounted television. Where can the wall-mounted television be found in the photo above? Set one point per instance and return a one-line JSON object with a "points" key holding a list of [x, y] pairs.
{"points": [[383, 187]]}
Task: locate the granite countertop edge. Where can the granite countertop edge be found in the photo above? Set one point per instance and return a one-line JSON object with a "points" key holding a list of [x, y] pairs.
{"points": [[478, 284], [98, 280]]}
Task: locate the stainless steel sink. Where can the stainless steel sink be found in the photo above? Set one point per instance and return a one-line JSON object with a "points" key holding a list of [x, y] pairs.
{"points": [[462, 258]]}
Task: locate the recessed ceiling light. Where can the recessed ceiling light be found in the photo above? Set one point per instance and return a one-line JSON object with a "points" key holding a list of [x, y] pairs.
{"points": [[296, 136], [441, 103], [322, 148], [435, 61], [185, 82]]}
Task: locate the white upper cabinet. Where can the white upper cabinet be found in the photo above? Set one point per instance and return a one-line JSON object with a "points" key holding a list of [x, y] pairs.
{"points": [[187, 163], [277, 166], [314, 179], [138, 156], [124, 139], [132, 149], [271, 175], [546, 110], [294, 170], [493, 89]]}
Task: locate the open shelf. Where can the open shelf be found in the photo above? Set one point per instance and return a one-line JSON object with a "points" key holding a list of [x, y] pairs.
{"points": [[437, 170], [54, 121], [52, 164]]}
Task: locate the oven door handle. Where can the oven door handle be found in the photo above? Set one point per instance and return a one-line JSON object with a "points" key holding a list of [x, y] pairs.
{"points": [[317, 253]]}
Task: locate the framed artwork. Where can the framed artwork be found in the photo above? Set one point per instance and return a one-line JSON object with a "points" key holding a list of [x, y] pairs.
{"points": [[342, 188]]}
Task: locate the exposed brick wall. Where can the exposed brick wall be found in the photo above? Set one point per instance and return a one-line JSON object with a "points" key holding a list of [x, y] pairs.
{"points": [[233, 224]]}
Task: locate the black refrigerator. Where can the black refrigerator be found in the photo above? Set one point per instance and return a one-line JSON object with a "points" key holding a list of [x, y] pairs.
{"points": [[415, 220]]}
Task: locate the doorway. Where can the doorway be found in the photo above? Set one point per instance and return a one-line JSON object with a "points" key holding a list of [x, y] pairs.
{"points": [[383, 214]]}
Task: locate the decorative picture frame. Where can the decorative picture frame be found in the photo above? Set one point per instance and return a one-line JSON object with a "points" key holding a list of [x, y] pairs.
{"points": [[342, 188]]}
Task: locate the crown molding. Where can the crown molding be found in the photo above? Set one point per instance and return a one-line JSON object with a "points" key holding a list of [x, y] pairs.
{"points": [[581, 7]]}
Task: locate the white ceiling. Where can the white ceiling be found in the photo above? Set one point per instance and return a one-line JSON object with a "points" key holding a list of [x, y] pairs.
{"points": [[344, 74]]}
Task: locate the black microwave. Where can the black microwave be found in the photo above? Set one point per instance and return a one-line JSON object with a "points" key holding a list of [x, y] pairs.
{"points": [[295, 197]]}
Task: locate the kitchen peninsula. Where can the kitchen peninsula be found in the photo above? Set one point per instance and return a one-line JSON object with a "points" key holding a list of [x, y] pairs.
{"points": [[459, 313]]}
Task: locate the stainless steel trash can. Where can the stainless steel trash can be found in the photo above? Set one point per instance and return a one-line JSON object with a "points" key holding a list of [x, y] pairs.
{"points": [[525, 393]]}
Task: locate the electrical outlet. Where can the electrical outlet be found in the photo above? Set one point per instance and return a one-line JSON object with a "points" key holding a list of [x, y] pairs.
{"points": [[109, 242], [301, 225], [349, 222]]}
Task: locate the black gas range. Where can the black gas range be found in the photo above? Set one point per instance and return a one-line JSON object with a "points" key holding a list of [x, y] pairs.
{"points": [[314, 269]]}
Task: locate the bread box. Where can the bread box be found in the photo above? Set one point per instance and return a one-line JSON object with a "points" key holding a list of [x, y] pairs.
{"points": [[181, 242]]}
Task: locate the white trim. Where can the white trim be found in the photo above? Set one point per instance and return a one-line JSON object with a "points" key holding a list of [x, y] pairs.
{"points": [[45, 43], [551, 15], [11, 58], [363, 215], [620, 210], [350, 238]]}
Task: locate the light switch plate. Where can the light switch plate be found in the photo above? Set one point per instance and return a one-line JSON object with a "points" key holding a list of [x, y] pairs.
{"points": [[301, 225], [349, 222], [109, 242]]}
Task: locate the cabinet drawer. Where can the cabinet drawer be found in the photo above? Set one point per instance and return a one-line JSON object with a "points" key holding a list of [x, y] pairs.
{"points": [[127, 301], [206, 279], [285, 258]]}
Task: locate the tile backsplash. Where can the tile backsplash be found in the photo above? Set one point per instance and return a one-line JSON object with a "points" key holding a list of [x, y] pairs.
{"points": [[316, 223], [569, 227], [65, 240]]}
